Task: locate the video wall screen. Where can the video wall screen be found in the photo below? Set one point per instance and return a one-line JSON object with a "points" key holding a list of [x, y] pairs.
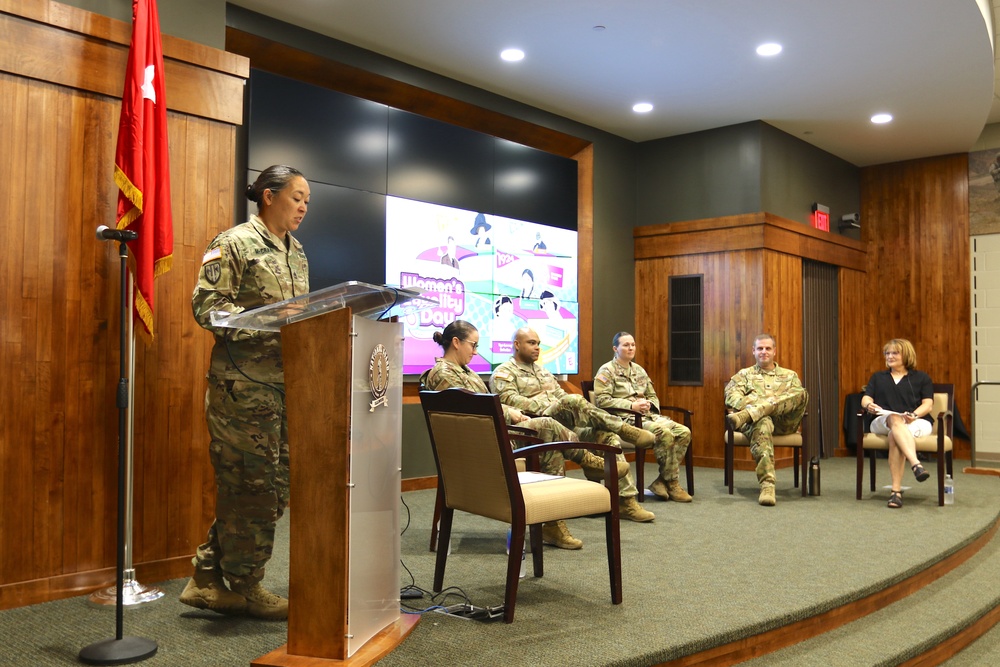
{"points": [[486, 225], [498, 273]]}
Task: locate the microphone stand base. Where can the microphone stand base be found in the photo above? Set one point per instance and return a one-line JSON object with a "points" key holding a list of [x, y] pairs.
{"points": [[118, 651]]}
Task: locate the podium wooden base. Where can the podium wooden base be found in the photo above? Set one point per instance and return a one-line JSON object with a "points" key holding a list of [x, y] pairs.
{"points": [[377, 648]]}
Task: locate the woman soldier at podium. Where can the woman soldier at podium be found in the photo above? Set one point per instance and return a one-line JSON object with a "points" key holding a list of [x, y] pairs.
{"points": [[253, 264]]}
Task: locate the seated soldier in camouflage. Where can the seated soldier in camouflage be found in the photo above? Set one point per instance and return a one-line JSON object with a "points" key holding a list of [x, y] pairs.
{"points": [[622, 383], [460, 340], [768, 400], [524, 384]]}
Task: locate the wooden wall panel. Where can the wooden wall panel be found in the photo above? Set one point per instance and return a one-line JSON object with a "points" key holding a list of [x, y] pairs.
{"points": [[855, 325], [916, 224], [59, 311], [733, 312]]}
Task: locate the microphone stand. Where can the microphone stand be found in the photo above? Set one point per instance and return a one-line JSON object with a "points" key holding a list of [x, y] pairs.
{"points": [[120, 650]]}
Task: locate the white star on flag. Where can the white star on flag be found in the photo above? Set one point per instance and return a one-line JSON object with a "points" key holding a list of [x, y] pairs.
{"points": [[148, 92]]}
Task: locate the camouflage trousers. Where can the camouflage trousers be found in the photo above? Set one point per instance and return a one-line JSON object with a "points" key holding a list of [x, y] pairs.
{"points": [[772, 415], [672, 441], [626, 484], [592, 425], [249, 451], [549, 430]]}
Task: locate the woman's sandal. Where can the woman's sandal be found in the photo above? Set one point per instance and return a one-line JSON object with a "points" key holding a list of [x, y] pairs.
{"points": [[895, 499], [919, 472]]}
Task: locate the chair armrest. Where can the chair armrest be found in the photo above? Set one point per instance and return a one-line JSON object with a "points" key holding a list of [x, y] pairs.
{"points": [[532, 452], [688, 414]]}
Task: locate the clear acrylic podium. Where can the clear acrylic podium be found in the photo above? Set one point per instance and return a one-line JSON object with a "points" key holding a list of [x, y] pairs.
{"points": [[343, 395]]}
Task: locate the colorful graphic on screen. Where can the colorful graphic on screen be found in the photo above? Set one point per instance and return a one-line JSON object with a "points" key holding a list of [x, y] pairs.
{"points": [[498, 273]]}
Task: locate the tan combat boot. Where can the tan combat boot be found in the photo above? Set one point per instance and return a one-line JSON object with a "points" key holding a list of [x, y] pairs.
{"points": [[593, 467], [557, 534], [207, 590], [677, 494], [262, 603], [767, 496], [629, 508], [738, 419], [659, 488], [640, 437]]}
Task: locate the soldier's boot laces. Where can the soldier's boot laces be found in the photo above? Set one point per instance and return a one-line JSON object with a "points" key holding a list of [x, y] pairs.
{"points": [[262, 603], [557, 534], [207, 590], [593, 466], [639, 436], [629, 508]]}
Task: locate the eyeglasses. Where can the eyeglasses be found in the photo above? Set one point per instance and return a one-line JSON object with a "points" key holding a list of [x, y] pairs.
{"points": [[475, 346]]}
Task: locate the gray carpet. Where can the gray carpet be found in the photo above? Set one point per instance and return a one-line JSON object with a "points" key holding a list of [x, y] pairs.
{"points": [[703, 574]]}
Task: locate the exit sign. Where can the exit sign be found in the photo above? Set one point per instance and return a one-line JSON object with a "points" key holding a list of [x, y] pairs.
{"points": [[821, 217]]}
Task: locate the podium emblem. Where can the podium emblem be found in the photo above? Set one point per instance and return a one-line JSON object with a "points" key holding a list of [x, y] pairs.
{"points": [[378, 377]]}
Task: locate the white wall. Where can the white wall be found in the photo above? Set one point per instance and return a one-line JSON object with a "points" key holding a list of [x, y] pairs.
{"points": [[986, 343]]}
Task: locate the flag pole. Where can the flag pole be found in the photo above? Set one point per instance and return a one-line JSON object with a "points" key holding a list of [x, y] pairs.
{"points": [[133, 592], [120, 650]]}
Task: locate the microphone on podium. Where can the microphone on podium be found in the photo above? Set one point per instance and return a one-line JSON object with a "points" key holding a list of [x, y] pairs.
{"points": [[105, 233]]}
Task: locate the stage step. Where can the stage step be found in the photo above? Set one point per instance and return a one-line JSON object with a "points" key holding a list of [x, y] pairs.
{"points": [[912, 626]]}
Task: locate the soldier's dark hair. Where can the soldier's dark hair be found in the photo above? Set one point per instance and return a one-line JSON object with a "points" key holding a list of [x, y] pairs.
{"points": [[617, 337], [459, 329], [274, 178]]}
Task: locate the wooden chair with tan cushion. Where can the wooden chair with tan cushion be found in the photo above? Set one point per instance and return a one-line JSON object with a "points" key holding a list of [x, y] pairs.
{"points": [[477, 473], [587, 387], [939, 441], [795, 441]]}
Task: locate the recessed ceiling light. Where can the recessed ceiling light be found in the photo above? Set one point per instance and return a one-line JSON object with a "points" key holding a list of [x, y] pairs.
{"points": [[769, 49], [512, 55], [881, 118], [642, 107]]}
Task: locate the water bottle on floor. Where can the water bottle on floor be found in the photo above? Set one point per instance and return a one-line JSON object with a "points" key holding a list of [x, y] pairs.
{"points": [[949, 490]]}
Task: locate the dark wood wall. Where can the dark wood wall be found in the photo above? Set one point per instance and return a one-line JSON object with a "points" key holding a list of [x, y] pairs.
{"points": [[907, 278], [61, 76], [915, 222], [752, 268]]}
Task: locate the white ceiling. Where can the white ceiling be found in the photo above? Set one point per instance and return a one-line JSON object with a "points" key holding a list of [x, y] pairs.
{"points": [[929, 63]]}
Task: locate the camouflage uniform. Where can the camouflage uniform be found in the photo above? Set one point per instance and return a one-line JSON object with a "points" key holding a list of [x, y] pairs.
{"points": [[446, 374], [532, 389], [776, 402], [246, 267], [618, 387]]}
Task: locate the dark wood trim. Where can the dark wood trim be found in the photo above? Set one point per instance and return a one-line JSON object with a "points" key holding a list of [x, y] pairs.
{"points": [[793, 633], [301, 65], [199, 81], [752, 231]]}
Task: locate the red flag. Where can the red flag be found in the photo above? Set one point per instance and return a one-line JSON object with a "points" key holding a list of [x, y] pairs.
{"points": [[142, 170]]}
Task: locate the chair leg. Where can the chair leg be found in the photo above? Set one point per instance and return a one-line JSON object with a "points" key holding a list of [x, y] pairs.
{"points": [[613, 538], [871, 460], [444, 534], [689, 468], [859, 454], [940, 472], [535, 530], [513, 569], [804, 473], [438, 504], [640, 472], [730, 463], [795, 461]]}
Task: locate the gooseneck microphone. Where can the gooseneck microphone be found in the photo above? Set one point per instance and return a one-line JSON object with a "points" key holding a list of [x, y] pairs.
{"points": [[105, 233]]}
